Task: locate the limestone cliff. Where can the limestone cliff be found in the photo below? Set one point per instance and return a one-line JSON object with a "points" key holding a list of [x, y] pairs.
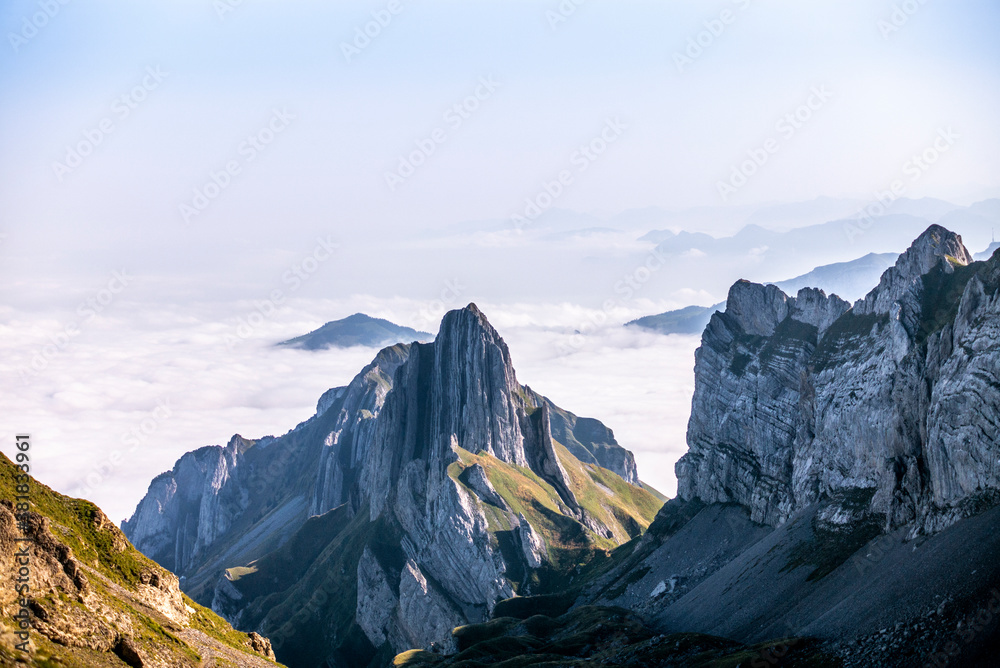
{"points": [[431, 487], [799, 399]]}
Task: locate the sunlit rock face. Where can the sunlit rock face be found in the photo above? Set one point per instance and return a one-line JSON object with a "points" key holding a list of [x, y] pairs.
{"points": [[419, 467], [803, 398]]}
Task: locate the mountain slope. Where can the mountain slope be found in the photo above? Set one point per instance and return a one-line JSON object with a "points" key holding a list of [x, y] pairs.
{"points": [[843, 473], [356, 330], [431, 487], [95, 600]]}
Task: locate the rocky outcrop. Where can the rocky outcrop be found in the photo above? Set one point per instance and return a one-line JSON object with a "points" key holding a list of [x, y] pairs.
{"points": [[531, 543], [413, 501], [91, 598], [892, 401], [261, 645], [477, 480]]}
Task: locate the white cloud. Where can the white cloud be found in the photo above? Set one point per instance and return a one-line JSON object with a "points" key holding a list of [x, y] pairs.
{"points": [[106, 390]]}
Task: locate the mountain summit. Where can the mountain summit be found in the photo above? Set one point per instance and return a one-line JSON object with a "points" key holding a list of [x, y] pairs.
{"points": [[420, 495], [842, 479], [356, 330]]}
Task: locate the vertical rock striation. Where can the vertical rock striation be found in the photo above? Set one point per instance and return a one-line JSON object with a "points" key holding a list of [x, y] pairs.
{"points": [[424, 492], [804, 398]]}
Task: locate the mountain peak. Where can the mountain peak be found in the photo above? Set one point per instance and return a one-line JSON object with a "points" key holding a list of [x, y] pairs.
{"points": [[469, 311], [935, 243], [356, 330], [936, 246], [757, 308]]}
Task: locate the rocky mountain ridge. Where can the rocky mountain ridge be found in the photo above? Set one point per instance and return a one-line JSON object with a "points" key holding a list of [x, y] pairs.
{"points": [[801, 398], [431, 487], [845, 279]]}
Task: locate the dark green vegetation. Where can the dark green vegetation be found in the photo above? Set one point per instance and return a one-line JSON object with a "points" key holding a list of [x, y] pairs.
{"points": [[604, 636], [356, 330], [311, 583]]}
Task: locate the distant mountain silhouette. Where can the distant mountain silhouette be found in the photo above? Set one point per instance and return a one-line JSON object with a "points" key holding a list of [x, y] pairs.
{"points": [[356, 330]]}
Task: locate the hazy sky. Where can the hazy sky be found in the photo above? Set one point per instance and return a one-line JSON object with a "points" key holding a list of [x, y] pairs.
{"points": [[225, 71], [208, 148]]}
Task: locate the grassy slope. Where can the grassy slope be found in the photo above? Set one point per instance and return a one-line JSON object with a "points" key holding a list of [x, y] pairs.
{"points": [[73, 522], [78, 523], [627, 510]]}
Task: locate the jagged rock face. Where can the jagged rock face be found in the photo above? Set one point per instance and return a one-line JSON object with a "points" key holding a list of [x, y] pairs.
{"points": [[182, 512], [963, 431], [345, 447], [401, 456], [899, 287], [91, 595], [189, 510], [799, 399]]}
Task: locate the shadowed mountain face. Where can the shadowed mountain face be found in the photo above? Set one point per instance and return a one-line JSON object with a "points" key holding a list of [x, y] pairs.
{"points": [[93, 599], [431, 487], [356, 330]]}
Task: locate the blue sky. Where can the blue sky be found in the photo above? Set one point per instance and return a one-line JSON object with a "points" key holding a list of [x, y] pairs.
{"points": [[334, 127], [557, 87]]}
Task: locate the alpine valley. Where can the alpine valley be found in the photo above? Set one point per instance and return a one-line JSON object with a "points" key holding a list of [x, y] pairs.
{"points": [[839, 505]]}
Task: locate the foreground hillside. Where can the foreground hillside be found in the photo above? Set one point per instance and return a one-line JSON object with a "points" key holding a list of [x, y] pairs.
{"points": [[429, 489], [95, 600]]}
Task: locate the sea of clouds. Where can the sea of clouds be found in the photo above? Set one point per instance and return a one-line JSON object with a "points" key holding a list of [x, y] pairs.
{"points": [[111, 400]]}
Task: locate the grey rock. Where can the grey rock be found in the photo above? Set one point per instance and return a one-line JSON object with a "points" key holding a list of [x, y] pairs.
{"points": [[814, 307], [476, 479], [887, 408], [381, 452], [531, 543], [756, 308]]}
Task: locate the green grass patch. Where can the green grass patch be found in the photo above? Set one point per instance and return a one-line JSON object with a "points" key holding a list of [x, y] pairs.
{"points": [[78, 523]]}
